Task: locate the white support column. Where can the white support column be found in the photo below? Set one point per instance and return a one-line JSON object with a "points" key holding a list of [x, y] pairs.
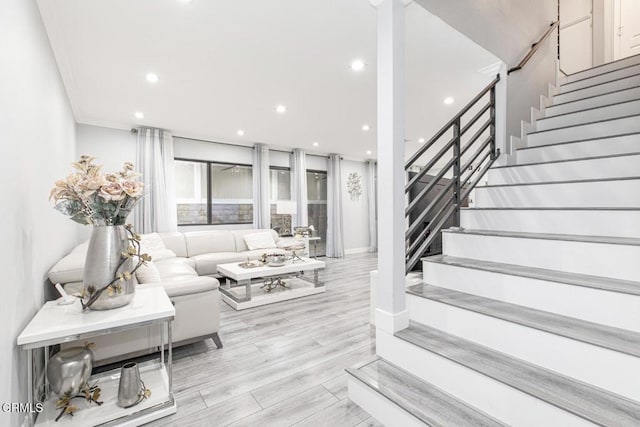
{"points": [[391, 313]]}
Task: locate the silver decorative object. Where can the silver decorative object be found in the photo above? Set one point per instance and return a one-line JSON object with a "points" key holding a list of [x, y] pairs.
{"points": [[131, 388], [104, 255], [354, 186], [68, 370], [276, 260]]}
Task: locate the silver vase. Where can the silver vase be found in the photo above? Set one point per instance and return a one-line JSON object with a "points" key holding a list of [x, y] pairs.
{"points": [[69, 370], [130, 388], [103, 258]]}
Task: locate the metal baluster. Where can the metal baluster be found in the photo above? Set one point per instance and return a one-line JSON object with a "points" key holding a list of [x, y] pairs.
{"points": [[456, 171], [492, 128]]}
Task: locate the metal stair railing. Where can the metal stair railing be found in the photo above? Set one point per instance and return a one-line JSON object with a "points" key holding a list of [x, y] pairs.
{"points": [[461, 160]]}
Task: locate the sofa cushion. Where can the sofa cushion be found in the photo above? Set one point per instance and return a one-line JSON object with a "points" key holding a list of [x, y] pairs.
{"points": [[153, 245], [71, 267], [208, 263], [171, 267], [211, 241], [175, 242], [260, 240], [241, 246], [187, 285]]}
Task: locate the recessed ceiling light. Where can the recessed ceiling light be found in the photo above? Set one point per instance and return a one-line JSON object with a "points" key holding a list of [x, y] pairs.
{"points": [[357, 65], [448, 100], [152, 78], [366, 128], [315, 144], [369, 152], [240, 132], [421, 140], [139, 115], [281, 109]]}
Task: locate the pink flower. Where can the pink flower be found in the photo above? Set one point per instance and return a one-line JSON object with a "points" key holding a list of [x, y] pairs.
{"points": [[112, 191], [132, 188]]}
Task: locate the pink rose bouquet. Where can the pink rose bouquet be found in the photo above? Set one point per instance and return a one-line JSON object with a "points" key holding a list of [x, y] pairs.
{"points": [[89, 197]]}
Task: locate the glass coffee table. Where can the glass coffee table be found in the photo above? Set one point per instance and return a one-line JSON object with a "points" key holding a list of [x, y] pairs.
{"points": [[245, 287]]}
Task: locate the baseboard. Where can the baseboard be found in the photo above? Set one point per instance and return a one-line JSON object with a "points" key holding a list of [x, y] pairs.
{"points": [[352, 251]]}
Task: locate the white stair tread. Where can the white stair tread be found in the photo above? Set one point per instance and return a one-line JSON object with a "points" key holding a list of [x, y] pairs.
{"points": [[571, 160], [620, 340], [632, 241], [604, 77], [424, 401], [588, 402], [604, 68], [576, 118], [584, 280], [595, 101]]}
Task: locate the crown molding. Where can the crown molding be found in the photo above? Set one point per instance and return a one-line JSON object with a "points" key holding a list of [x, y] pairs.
{"points": [[376, 3]]}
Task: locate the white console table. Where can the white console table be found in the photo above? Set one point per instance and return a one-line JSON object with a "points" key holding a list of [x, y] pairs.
{"points": [[57, 324]]}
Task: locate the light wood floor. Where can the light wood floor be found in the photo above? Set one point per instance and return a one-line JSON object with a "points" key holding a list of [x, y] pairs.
{"points": [[282, 364]]}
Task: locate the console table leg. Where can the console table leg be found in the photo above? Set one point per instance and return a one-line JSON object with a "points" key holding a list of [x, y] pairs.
{"points": [[30, 393], [169, 343]]}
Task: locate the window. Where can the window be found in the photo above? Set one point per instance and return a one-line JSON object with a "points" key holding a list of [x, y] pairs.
{"points": [[317, 206], [213, 193]]}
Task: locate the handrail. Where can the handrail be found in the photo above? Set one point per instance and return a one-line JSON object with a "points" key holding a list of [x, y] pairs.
{"points": [[465, 161], [450, 123], [534, 48]]}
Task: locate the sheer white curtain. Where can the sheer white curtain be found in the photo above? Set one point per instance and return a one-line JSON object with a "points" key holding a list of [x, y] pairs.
{"points": [[261, 206], [372, 206], [299, 186], [335, 244], [154, 160]]}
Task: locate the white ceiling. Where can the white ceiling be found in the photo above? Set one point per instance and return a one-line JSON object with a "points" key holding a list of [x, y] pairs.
{"points": [[225, 65]]}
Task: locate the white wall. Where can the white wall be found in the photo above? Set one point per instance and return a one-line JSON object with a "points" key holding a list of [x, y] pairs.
{"points": [[111, 147], [507, 28], [355, 218], [37, 145]]}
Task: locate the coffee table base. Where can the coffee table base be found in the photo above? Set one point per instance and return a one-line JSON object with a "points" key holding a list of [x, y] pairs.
{"points": [[235, 296]]}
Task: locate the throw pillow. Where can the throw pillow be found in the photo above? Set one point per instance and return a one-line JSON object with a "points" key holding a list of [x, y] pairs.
{"points": [[261, 240], [148, 273], [153, 245]]}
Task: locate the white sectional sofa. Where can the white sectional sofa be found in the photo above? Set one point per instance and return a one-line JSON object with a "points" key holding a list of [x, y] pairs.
{"points": [[186, 267]]}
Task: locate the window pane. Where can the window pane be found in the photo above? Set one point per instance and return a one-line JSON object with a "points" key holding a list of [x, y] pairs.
{"points": [[316, 185], [317, 206], [191, 192], [232, 194], [280, 186]]}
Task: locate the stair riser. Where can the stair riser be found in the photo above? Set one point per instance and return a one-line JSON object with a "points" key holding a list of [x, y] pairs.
{"points": [[583, 223], [378, 406], [606, 194], [592, 130], [597, 259], [625, 83], [632, 60], [610, 370], [587, 116], [608, 167], [599, 147], [594, 102], [594, 305], [602, 78], [505, 403]]}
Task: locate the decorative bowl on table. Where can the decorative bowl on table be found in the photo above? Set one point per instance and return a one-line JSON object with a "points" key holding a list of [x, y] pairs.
{"points": [[276, 260]]}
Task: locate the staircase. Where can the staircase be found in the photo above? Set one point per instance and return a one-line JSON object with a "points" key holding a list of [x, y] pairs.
{"points": [[531, 316]]}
